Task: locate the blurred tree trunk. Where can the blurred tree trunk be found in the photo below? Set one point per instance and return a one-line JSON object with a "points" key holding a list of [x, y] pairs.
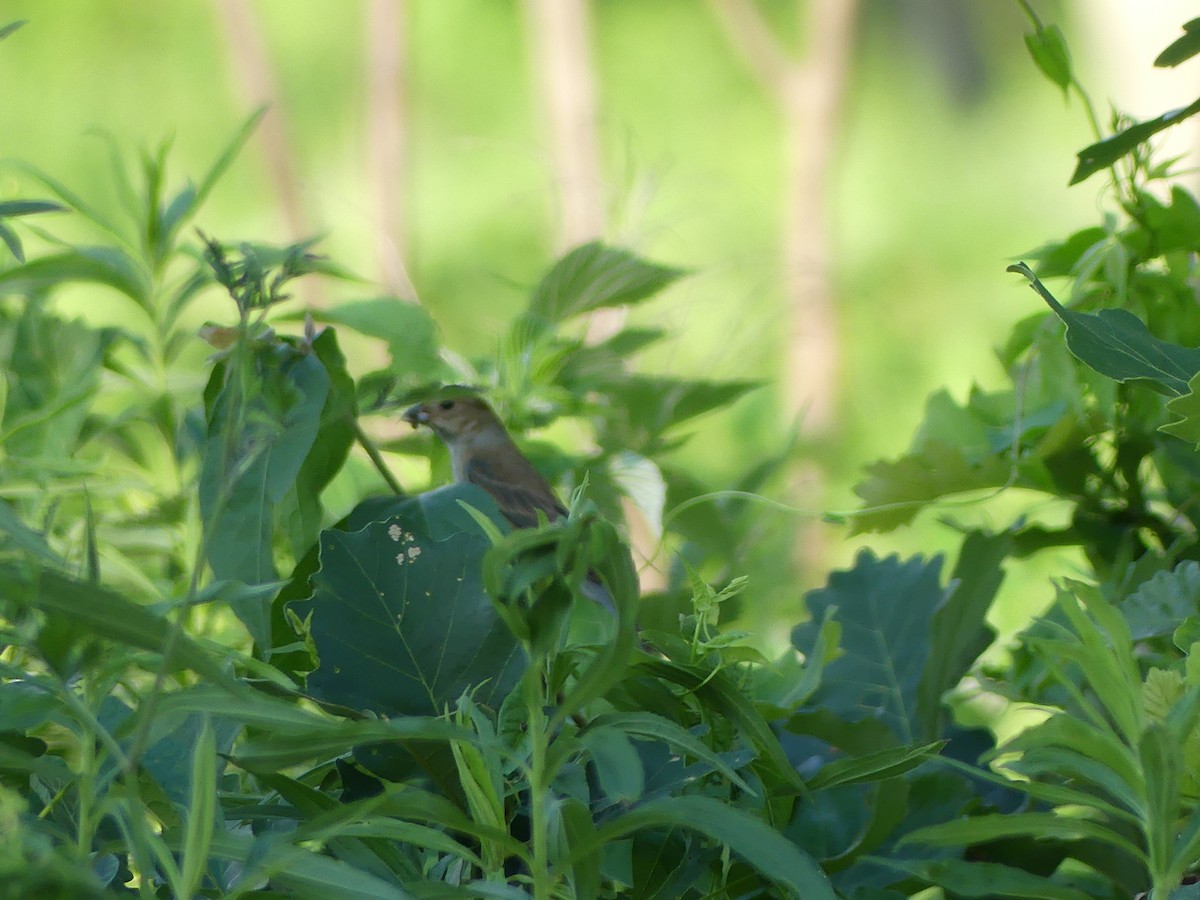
{"points": [[252, 75], [386, 114], [563, 68], [809, 91]]}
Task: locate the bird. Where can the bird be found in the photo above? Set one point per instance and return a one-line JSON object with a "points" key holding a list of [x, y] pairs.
{"points": [[483, 453]]}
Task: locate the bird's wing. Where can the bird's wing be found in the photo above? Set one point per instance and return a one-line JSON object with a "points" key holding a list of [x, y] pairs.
{"points": [[518, 490]]}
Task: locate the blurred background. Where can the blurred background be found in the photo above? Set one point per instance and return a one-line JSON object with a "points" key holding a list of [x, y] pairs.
{"points": [[845, 180]]}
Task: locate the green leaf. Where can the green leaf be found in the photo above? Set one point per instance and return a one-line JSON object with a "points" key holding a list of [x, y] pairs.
{"points": [[761, 846], [1048, 48], [302, 510], [1118, 344], [593, 276], [1161, 764], [1186, 409], [226, 157], [1161, 603], [201, 813], [1103, 154], [618, 766], [959, 448], [960, 878], [104, 265], [254, 451], [399, 616], [1181, 49], [408, 329], [12, 242], [6, 30], [960, 632], [885, 608], [109, 615], [876, 766], [28, 207], [650, 725], [1044, 826]]}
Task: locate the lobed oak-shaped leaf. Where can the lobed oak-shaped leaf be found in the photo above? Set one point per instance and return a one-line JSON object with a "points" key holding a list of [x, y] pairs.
{"points": [[886, 609]]}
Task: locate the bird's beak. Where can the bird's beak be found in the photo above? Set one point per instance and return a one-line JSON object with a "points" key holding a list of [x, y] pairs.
{"points": [[416, 415]]}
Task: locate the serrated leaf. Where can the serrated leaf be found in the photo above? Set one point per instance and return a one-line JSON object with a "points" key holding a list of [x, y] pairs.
{"points": [[1183, 48], [1116, 343], [894, 492], [1104, 153], [885, 608], [1186, 409], [409, 331], [399, 616], [1161, 603], [593, 276]]}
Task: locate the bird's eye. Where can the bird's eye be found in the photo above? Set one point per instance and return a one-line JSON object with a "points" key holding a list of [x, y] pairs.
{"points": [[447, 404]]}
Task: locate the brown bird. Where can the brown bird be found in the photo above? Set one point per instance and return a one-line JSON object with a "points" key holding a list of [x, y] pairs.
{"points": [[483, 454]]}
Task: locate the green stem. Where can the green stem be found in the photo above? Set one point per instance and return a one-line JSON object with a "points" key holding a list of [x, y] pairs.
{"points": [[377, 458], [538, 813]]}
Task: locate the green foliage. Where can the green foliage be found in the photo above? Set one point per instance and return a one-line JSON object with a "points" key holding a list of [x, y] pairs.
{"points": [[212, 686]]}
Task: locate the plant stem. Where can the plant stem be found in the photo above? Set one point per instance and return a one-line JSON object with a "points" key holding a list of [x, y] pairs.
{"points": [[538, 814], [377, 459]]}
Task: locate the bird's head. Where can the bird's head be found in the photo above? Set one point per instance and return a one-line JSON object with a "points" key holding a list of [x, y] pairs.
{"points": [[454, 413]]}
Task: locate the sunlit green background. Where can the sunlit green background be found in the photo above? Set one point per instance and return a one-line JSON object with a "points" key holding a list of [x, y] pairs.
{"points": [[953, 160]]}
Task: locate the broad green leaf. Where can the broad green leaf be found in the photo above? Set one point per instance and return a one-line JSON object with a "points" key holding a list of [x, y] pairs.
{"points": [[1181, 49], [1117, 343], [253, 454], [301, 507], [1161, 603], [407, 328], [760, 845], [399, 616], [618, 766], [960, 632], [885, 608], [1048, 48], [961, 878], [593, 276], [1103, 154]]}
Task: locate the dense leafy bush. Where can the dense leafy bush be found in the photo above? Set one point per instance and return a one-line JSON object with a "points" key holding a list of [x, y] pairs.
{"points": [[241, 659]]}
